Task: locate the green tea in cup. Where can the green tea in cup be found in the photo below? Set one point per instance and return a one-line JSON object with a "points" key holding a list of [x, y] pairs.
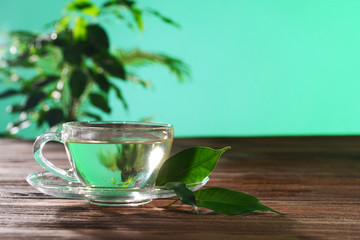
{"points": [[110, 154]]}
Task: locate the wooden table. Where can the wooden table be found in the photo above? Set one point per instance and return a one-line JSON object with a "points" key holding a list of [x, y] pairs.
{"points": [[315, 180]]}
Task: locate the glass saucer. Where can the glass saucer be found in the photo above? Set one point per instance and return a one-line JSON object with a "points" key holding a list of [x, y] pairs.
{"points": [[51, 184]]}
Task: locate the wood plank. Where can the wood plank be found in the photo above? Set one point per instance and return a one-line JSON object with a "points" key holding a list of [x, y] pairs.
{"points": [[315, 180]]}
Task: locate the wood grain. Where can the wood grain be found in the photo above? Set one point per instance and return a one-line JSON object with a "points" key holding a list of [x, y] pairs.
{"points": [[315, 180]]}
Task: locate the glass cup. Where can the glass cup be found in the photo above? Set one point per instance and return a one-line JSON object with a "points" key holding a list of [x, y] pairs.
{"points": [[110, 154]]}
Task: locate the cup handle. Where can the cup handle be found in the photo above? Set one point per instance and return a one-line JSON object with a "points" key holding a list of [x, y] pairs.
{"points": [[38, 147]]}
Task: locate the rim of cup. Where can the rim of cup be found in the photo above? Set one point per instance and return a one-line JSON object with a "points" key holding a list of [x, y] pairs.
{"points": [[125, 125]]}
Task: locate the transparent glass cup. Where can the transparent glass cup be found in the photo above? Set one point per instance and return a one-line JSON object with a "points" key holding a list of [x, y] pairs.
{"points": [[110, 154]]}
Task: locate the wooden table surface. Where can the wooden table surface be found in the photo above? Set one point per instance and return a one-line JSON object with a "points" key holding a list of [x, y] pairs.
{"points": [[314, 180]]}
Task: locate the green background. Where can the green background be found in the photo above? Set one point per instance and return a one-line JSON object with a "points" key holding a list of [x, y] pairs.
{"points": [[258, 67]]}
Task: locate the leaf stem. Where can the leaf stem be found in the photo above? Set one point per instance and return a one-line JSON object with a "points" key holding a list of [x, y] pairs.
{"points": [[172, 203]]}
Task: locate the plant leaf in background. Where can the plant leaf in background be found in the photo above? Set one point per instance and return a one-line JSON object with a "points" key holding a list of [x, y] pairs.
{"points": [[100, 102], [43, 81], [97, 37], [53, 116], [189, 166], [80, 31], [119, 95], [163, 18], [9, 93], [137, 14], [77, 82], [92, 115], [101, 81], [110, 64], [34, 99], [229, 202], [83, 6], [137, 57], [74, 63]]}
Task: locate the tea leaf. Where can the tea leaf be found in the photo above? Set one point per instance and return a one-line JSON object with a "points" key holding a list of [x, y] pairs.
{"points": [[229, 202], [189, 166], [185, 195]]}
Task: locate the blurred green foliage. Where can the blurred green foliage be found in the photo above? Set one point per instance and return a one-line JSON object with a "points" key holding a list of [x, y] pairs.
{"points": [[75, 63]]}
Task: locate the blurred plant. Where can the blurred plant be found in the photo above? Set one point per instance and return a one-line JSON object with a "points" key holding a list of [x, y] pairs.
{"points": [[75, 63], [127, 161]]}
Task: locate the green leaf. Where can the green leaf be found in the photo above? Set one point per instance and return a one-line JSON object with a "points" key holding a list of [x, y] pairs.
{"points": [[189, 166], [92, 11], [101, 81], [110, 64], [40, 118], [92, 115], [23, 36], [54, 116], [63, 23], [33, 100], [72, 51], [9, 93], [78, 5], [126, 3], [84, 6], [97, 37], [80, 33], [100, 102], [229, 202], [137, 14], [49, 64], [16, 108], [73, 54], [163, 18], [185, 195], [64, 38], [44, 80], [176, 66], [119, 95], [20, 61], [138, 57], [77, 82]]}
